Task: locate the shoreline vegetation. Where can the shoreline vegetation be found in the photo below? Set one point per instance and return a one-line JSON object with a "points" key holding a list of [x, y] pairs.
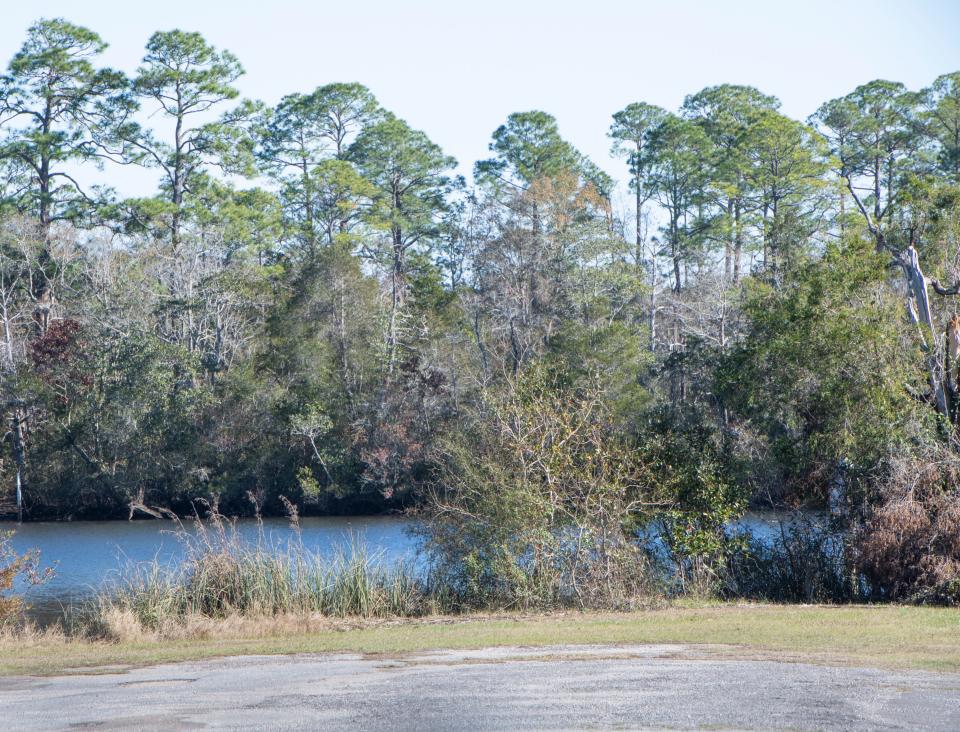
{"points": [[576, 393], [234, 597]]}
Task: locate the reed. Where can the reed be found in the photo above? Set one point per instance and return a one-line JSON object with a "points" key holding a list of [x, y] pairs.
{"points": [[223, 576]]}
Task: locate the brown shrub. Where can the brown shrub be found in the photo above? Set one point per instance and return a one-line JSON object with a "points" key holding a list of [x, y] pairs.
{"points": [[910, 547], [13, 566]]}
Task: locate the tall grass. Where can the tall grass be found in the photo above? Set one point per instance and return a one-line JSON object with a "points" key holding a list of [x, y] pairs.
{"points": [[223, 575]]}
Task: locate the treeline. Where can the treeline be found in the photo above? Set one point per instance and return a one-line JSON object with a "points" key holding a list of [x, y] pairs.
{"points": [[314, 305]]}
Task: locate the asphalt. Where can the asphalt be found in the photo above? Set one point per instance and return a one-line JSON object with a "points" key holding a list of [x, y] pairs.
{"points": [[558, 688]]}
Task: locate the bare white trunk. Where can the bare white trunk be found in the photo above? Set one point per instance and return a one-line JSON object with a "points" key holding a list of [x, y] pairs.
{"points": [[922, 316]]}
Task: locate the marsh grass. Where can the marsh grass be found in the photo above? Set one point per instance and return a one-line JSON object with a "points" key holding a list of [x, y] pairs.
{"points": [[223, 576]]}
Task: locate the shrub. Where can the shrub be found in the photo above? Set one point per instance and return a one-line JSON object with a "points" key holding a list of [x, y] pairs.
{"points": [[14, 566], [908, 546], [683, 457], [536, 503], [909, 550]]}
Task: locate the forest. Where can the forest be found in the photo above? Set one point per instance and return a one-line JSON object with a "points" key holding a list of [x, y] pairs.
{"points": [[314, 309]]}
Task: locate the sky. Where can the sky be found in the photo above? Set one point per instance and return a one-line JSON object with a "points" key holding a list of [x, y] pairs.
{"points": [[456, 69]]}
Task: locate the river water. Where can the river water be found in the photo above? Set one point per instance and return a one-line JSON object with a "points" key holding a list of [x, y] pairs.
{"points": [[87, 554]]}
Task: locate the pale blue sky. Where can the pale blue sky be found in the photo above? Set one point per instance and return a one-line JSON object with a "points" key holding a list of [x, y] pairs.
{"points": [[456, 70]]}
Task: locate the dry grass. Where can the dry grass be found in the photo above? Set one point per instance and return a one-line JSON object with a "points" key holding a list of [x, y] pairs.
{"points": [[223, 577], [884, 636]]}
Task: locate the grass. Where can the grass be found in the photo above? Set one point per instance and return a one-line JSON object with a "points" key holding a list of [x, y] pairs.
{"points": [[880, 636], [222, 574], [228, 597]]}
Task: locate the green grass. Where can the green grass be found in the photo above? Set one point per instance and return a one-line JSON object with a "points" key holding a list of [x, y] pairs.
{"points": [[882, 636]]}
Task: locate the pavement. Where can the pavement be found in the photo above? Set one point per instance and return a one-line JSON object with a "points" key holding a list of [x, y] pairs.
{"points": [[555, 688]]}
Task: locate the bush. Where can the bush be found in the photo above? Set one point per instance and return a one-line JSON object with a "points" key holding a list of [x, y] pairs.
{"points": [[910, 549], [908, 546], [14, 566], [537, 502], [684, 458]]}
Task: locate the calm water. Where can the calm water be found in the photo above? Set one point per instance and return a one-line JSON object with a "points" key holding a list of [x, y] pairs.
{"points": [[86, 554]]}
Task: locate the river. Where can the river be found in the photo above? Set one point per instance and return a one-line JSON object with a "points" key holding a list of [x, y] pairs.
{"points": [[86, 554]]}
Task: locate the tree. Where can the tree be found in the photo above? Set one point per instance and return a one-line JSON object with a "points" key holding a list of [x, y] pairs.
{"points": [[185, 79], [319, 371], [411, 177], [52, 99], [874, 138], [631, 130], [539, 193], [528, 147], [22, 248], [230, 273], [871, 134], [785, 167], [941, 117], [302, 133], [677, 178], [725, 113], [340, 199], [820, 373]]}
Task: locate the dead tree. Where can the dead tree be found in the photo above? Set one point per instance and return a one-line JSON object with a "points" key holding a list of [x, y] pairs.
{"points": [[941, 350]]}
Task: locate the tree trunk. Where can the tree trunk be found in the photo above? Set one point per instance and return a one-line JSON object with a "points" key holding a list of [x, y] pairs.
{"points": [[42, 290], [737, 241], [639, 211], [19, 452], [728, 247], [922, 316], [653, 300], [397, 285]]}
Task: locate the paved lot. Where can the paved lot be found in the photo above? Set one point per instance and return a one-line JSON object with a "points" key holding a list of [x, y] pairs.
{"points": [[638, 687]]}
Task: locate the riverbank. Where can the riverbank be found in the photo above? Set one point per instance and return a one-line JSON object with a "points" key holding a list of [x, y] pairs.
{"points": [[895, 637]]}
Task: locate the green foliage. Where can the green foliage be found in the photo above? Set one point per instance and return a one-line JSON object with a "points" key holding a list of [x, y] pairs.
{"points": [[182, 78], [941, 115], [631, 131], [822, 369], [685, 459], [534, 503], [357, 331], [295, 141], [784, 169], [529, 149], [410, 176], [677, 178], [877, 151], [55, 102], [725, 111]]}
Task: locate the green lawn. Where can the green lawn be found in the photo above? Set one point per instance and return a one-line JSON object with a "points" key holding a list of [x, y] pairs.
{"points": [[885, 636]]}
